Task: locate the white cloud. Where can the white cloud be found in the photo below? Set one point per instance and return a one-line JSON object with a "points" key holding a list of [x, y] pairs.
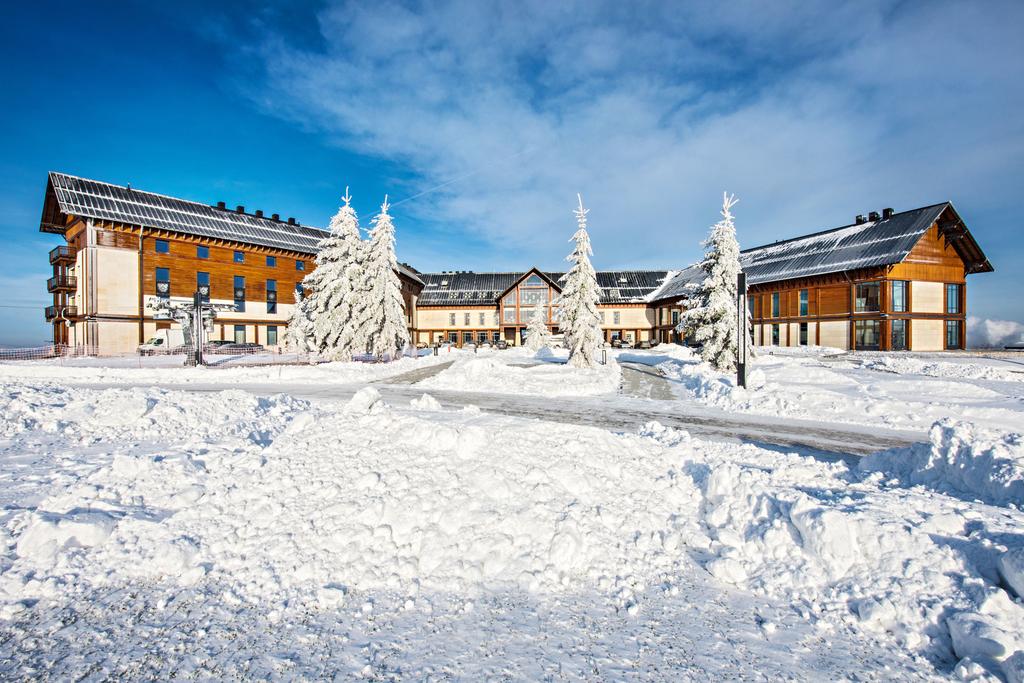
{"points": [[993, 334]]}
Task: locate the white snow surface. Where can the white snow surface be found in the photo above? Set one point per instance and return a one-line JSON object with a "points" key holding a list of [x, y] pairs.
{"points": [[154, 533]]}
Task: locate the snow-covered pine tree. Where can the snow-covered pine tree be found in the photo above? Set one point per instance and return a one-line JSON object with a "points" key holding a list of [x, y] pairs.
{"points": [[381, 316], [578, 318], [710, 313], [298, 336], [537, 333], [334, 285]]}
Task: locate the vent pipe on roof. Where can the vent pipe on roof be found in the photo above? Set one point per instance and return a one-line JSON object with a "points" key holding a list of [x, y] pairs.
{"points": [[860, 219], [259, 213], [291, 220], [873, 216], [239, 209], [887, 212], [275, 217], [222, 205]]}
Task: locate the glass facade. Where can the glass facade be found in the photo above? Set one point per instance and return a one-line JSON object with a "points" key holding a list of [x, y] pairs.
{"points": [[803, 302], [803, 334], [953, 334], [899, 296], [867, 335], [952, 298], [532, 297], [272, 335], [898, 335], [775, 304], [510, 315], [867, 297]]}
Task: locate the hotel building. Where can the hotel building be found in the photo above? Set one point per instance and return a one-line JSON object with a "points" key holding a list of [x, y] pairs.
{"points": [[889, 281]]}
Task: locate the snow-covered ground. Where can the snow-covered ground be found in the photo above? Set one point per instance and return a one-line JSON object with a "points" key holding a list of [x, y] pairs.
{"points": [[162, 533], [899, 391]]}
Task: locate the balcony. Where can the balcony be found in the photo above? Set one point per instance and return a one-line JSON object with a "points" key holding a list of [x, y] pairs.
{"points": [[62, 283], [52, 312], [62, 254]]}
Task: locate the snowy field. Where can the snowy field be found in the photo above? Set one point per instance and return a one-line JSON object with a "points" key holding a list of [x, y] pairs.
{"points": [[161, 533]]}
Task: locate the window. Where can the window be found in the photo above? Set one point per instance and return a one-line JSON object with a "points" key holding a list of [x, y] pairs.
{"points": [[775, 332], [467, 337], [675, 317], [300, 293], [272, 335], [867, 297], [271, 262], [163, 282], [775, 304], [898, 334], [510, 299], [532, 297], [203, 285], [300, 265], [899, 296], [482, 318], [162, 246], [451, 320], [953, 334], [481, 337], [750, 305], [533, 281], [525, 315], [952, 298], [616, 318], [510, 315], [271, 296], [465, 319], [239, 295], [803, 302], [867, 335], [202, 252], [239, 257], [803, 333], [239, 334], [453, 337]]}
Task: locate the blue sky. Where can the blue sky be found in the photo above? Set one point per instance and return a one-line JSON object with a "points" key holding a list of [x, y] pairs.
{"points": [[809, 112]]}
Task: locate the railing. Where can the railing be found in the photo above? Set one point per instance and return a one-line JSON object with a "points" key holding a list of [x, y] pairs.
{"points": [[59, 282], [63, 311], [62, 253], [49, 351]]}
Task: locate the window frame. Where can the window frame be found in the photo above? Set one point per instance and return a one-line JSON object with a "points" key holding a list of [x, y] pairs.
{"points": [[300, 265], [202, 251], [200, 283], [904, 289], [872, 284], [956, 289], [239, 302], [804, 304], [958, 344], [238, 256], [451, 320], [166, 279], [271, 261], [272, 330], [776, 304], [804, 335], [864, 324], [161, 246], [903, 324], [237, 329]]}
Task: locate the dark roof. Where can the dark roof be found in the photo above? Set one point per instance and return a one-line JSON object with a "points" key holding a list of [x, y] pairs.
{"points": [[104, 201], [884, 242], [484, 289]]}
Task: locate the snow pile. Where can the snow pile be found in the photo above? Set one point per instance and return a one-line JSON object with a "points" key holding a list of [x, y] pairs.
{"points": [[491, 374], [960, 459], [907, 365]]}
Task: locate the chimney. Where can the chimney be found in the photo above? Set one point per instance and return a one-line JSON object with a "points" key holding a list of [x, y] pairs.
{"points": [[873, 216], [860, 219], [259, 213], [887, 212], [291, 220], [239, 209], [222, 206], [275, 217]]}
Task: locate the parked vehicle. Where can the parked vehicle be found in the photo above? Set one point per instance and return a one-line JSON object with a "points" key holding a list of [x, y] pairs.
{"points": [[556, 341], [421, 345], [165, 341], [233, 348], [501, 344], [644, 344]]}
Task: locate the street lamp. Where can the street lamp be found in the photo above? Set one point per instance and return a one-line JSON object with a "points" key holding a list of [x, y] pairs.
{"points": [[741, 331]]}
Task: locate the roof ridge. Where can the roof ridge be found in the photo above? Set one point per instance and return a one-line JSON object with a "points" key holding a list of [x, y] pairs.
{"points": [[866, 225]]}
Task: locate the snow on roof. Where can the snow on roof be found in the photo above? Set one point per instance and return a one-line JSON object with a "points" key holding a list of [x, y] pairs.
{"points": [[483, 289]]}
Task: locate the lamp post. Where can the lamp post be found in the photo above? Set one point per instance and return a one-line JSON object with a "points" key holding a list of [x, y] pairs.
{"points": [[741, 331]]}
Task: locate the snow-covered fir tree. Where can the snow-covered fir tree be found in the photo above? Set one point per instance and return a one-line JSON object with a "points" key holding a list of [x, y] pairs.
{"points": [[578, 318], [537, 334], [710, 313], [381, 314], [298, 336], [334, 286]]}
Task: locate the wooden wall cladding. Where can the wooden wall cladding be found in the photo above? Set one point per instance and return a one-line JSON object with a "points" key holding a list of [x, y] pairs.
{"points": [[834, 300], [120, 240], [183, 264]]}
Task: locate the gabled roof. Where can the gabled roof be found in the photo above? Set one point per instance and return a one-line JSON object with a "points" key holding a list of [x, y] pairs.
{"points": [[485, 289], [884, 242], [104, 201]]}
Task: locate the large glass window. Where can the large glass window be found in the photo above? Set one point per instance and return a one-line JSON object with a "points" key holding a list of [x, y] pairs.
{"points": [[953, 334], [533, 281], [163, 282], [803, 302], [525, 315], [803, 334], [467, 337], [510, 315], [867, 297], [775, 304], [532, 297], [898, 334], [272, 335], [868, 335], [952, 298], [775, 334], [240, 293], [510, 299], [239, 334], [899, 296]]}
